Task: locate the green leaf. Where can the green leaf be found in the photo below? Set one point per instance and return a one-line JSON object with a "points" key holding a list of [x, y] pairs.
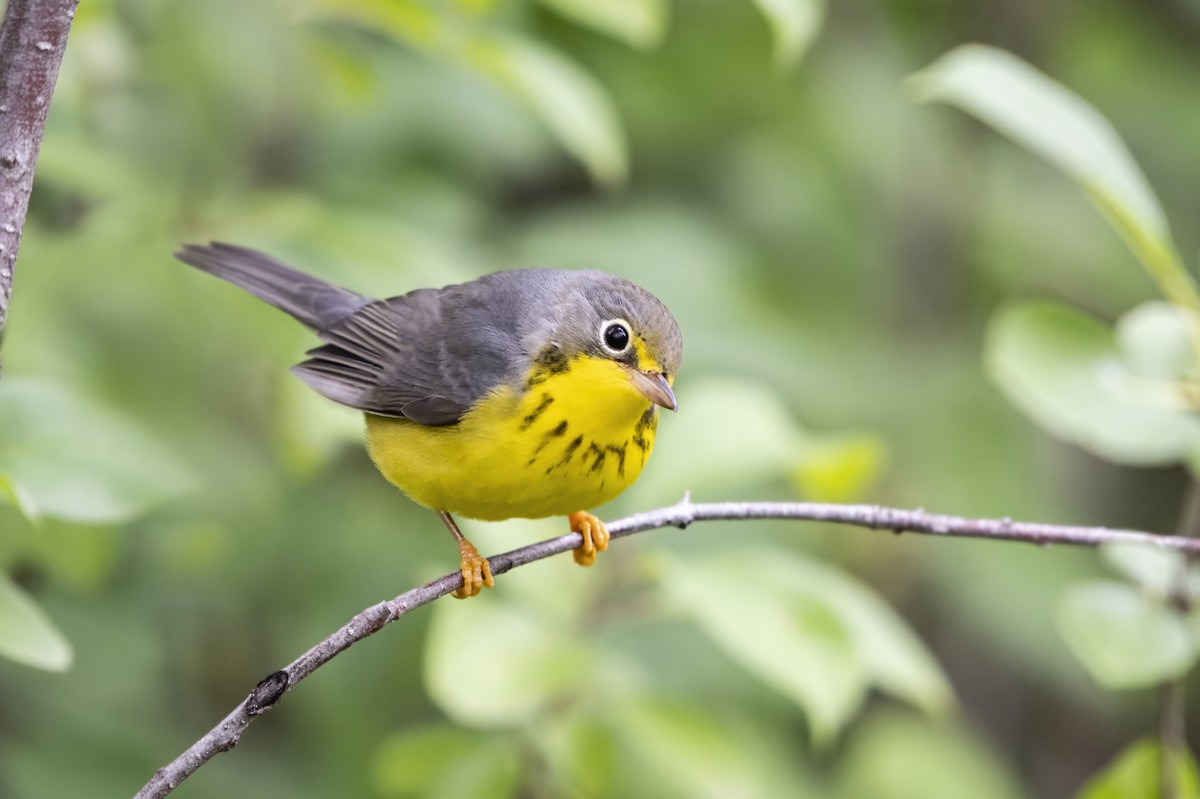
{"points": [[639, 23], [1062, 369], [580, 753], [1137, 774], [686, 750], [1155, 569], [571, 103], [898, 756], [808, 631], [488, 663], [794, 24], [27, 635], [840, 468], [1155, 341], [62, 456], [1056, 124], [442, 762], [1124, 638]]}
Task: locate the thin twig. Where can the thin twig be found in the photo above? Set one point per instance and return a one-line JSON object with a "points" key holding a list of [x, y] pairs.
{"points": [[225, 735], [32, 41], [1172, 733]]}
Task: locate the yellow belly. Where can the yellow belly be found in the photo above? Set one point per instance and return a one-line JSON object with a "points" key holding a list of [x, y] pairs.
{"points": [[568, 442]]}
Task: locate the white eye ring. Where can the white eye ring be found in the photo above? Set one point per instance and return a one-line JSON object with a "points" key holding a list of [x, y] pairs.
{"points": [[612, 326]]}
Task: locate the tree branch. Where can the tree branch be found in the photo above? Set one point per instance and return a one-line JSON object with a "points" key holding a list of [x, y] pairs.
{"points": [[32, 41], [225, 735]]}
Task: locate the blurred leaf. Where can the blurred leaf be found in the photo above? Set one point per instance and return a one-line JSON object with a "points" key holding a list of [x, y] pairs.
{"points": [[64, 457], [744, 429], [691, 752], [1137, 774], [1053, 122], [1155, 569], [18, 497], [895, 659], [640, 23], [1155, 341], [1062, 369], [895, 756], [446, 763], [580, 753], [488, 663], [794, 24], [572, 104], [808, 631], [478, 6], [1124, 638], [840, 468], [797, 645], [27, 635]]}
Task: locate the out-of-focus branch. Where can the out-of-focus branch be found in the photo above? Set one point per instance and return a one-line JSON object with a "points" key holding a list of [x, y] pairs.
{"points": [[225, 735], [1171, 722], [32, 40]]}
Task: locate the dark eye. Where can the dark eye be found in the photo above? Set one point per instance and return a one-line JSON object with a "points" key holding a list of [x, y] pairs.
{"points": [[616, 336]]}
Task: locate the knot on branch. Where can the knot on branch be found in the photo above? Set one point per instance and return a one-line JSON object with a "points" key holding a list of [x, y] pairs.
{"points": [[266, 693]]}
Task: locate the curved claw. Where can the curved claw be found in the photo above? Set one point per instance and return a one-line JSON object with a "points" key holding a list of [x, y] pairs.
{"points": [[595, 537], [476, 571]]}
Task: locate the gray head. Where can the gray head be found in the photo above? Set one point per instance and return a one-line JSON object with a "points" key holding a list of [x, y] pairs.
{"points": [[559, 315], [606, 316]]}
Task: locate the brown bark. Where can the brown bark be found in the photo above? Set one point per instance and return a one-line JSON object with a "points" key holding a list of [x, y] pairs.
{"points": [[32, 40]]}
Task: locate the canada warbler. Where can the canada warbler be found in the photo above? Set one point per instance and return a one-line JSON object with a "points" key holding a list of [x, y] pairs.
{"points": [[528, 393]]}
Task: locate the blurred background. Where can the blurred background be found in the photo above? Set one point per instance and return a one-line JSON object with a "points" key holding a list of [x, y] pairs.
{"points": [[194, 518]]}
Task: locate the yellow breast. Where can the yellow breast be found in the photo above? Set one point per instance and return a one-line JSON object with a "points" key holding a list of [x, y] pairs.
{"points": [[575, 436]]}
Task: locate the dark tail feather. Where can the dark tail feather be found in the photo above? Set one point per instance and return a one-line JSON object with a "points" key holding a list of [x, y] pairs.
{"points": [[313, 302]]}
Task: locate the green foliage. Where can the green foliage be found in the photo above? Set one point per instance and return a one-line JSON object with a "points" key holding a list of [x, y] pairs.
{"points": [[1127, 395], [529, 665], [443, 763], [795, 24], [573, 106], [639, 23], [64, 457], [1124, 638], [1064, 369], [1137, 774], [833, 255], [810, 632], [1159, 572], [895, 756], [27, 635], [1050, 120]]}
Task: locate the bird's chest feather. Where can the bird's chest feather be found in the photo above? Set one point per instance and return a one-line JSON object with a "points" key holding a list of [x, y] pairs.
{"points": [[573, 436]]}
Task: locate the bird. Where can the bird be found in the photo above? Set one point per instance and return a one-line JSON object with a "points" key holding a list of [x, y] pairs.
{"points": [[526, 393]]}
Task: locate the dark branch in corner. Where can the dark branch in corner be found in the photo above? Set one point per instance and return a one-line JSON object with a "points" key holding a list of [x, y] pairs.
{"points": [[32, 41], [225, 735]]}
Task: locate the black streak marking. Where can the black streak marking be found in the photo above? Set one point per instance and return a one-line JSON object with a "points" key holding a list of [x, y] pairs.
{"points": [[648, 421], [550, 361], [528, 421], [602, 457], [598, 464], [575, 444], [559, 430]]}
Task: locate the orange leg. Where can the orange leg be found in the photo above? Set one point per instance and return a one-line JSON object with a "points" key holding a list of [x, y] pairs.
{"points": [[476, 571], [595, 537]]}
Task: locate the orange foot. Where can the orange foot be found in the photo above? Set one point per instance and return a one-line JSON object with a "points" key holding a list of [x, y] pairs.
{"points": [[476, 571], [595, 537]]}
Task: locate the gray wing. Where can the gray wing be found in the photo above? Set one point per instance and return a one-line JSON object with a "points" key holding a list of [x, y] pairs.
{"points": [[427, 356]]}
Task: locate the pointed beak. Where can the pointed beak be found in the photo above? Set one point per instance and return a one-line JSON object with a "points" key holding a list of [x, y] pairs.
{"points": [[654, 387]]}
